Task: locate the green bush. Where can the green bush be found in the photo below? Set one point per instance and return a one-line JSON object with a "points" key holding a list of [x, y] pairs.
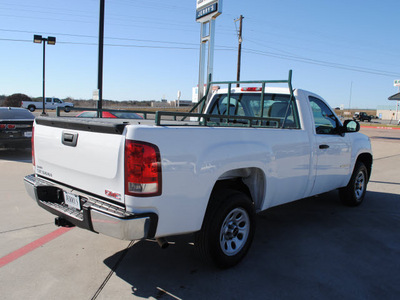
{"points": [[15, 100]]}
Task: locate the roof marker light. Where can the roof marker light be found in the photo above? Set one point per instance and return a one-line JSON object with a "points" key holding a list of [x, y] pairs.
{"points": [[251, 89]]}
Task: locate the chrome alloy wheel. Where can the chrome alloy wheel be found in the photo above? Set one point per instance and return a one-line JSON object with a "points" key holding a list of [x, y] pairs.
{"points": [[234, 231], [359, 185]]}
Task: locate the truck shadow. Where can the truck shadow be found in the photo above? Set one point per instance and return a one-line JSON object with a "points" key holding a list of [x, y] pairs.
{"points": [[313, 248], [18, 154]]}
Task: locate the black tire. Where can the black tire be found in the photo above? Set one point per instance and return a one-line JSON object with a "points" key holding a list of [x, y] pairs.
{"points": [[353, 194], [31, 108], [67, 109], [228, 228]]}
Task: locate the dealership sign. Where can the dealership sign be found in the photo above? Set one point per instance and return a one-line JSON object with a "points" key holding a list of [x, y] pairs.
{"points": [[397, 83], [208, 9], [203, 3]]}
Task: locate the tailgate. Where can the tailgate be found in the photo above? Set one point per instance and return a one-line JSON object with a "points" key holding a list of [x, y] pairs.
{"points": [[87, 155]]}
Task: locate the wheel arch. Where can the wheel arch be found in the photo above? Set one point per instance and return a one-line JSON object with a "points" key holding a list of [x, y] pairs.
{"points": [[251, 181], [366, 159]]}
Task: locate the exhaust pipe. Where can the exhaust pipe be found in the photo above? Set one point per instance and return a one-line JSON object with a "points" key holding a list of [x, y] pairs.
{"points": [[60, 222], [162, 242]]}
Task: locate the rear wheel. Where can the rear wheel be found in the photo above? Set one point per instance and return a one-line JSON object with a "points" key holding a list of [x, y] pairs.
{"points": [[228, 229], [31, 108], [67, 109], [353, 194]]}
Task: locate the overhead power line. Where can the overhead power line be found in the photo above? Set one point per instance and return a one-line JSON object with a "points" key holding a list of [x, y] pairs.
{"points": [[194, 45], [225, 48], [110, 45], [323, 63]]}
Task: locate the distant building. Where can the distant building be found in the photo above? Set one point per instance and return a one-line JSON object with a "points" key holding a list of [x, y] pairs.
{"points": [[386, 112], [182, 103], [167, 104], [160, 104]]}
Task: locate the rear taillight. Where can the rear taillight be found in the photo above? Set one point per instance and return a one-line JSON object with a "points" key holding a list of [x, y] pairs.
{"points": [[33, 146], [142, 169], [7, 126]]}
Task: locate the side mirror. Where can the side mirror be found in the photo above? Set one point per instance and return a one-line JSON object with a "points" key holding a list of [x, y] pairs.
{"points": [[351, 126]]}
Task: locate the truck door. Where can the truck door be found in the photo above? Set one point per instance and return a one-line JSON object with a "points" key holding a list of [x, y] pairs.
{"points": [[49, 103], [332, 149], [56, 102]]}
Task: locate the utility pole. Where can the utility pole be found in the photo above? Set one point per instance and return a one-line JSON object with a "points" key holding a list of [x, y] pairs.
{"points": [[239, 48], [100, 63], [351, 91]]}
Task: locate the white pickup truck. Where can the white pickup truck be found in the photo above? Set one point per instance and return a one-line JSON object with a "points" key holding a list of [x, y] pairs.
{"points": [[207, 174], [50, 103]]}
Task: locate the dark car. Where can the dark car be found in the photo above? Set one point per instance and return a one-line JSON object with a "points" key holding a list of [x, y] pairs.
{"points": [[108, 114], [362, 116], [15, 127]]}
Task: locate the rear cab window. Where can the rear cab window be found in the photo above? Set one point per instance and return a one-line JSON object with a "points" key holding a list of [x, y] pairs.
{"points": [[278, 110]]}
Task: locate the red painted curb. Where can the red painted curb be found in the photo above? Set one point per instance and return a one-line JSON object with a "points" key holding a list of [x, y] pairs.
{"points": [[32, 246], [388, 128]]}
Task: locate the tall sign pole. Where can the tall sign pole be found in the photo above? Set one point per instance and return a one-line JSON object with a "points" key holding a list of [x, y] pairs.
{"points": [[206, 13], [239, 47]]}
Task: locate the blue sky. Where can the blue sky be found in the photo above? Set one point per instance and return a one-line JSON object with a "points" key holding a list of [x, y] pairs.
{"points": [[152, 47]]}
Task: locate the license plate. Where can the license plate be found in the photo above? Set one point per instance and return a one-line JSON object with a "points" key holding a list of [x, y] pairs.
{"points": [[28, 134], [72, 200]]}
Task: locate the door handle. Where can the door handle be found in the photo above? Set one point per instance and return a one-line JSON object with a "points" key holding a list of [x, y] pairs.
{"points": [[69, 139], [323, 146]]}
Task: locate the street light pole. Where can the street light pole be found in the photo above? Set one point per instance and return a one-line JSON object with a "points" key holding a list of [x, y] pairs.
{"points": [[51, 41]]}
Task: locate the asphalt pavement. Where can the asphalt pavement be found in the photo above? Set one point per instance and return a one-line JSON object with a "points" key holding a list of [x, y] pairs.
{"points": [[314, 248]]}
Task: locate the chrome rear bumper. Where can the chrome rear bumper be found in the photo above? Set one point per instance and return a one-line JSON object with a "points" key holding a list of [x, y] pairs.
{"points": [[96, 214]]}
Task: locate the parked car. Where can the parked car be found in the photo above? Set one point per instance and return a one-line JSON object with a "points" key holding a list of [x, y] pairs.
{"points": [[15, 127], [362, 116], [107, 114]]}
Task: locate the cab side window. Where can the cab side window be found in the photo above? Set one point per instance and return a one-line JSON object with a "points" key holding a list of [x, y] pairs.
{"points": [[324, 119]]}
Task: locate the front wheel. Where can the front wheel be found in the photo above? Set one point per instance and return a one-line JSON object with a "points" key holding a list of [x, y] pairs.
{"points": [[228, 229], [31, 108], [353, 194], [67, 109]]}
